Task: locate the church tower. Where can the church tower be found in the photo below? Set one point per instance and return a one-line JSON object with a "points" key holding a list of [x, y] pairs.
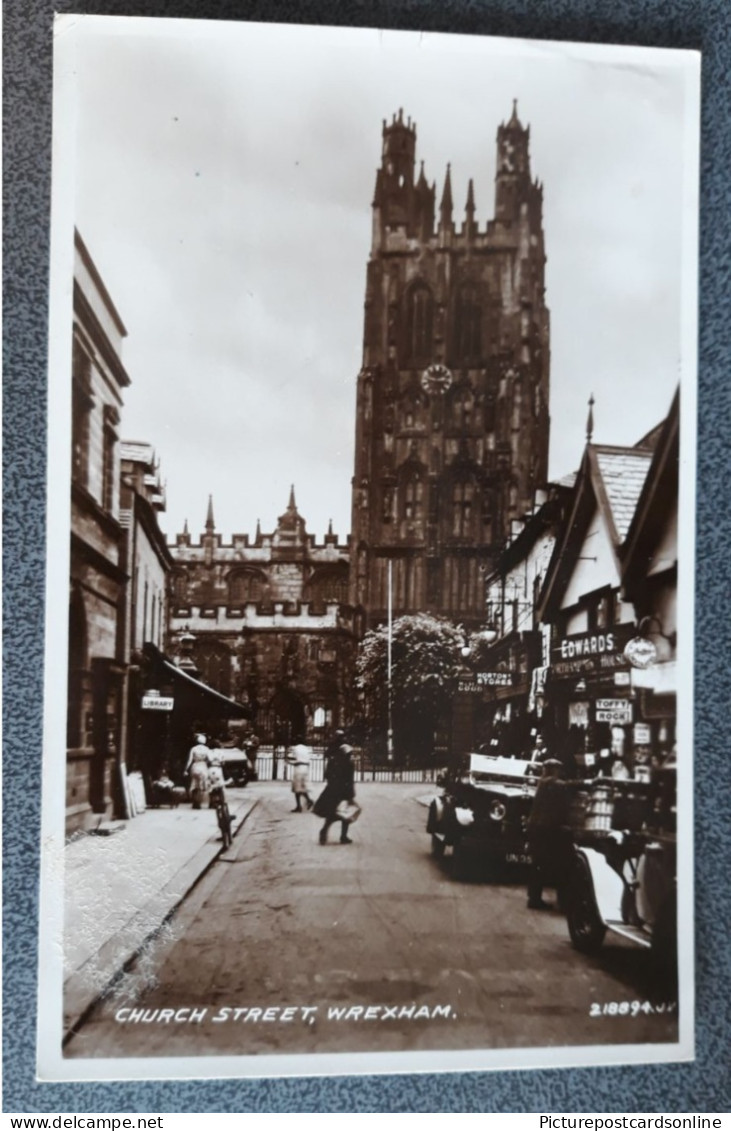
{"points": [[452, 416]]}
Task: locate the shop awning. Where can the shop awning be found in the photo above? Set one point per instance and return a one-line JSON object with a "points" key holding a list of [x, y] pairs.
{"points": [[190, 692]]}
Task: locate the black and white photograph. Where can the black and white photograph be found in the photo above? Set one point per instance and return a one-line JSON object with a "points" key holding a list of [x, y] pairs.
{"points": [[370, 577]]}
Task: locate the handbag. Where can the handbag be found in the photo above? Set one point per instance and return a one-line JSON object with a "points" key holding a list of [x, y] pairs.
{"points": [[348, 811]]}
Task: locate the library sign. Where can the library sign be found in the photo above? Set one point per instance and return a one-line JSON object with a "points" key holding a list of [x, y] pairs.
{"points": [[590, 653]]}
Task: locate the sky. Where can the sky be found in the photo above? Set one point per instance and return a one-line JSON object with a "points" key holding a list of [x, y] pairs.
{"points": [[223, 175]]}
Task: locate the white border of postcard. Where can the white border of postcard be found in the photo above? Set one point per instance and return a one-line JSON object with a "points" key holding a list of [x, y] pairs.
{"points": [[51, 1063]]}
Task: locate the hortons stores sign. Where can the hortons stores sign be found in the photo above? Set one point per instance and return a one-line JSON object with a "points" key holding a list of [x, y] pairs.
{"points": [[590, 653]]}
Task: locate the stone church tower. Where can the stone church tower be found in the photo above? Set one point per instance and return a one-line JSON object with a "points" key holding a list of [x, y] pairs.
{"points": [[452, 416]]}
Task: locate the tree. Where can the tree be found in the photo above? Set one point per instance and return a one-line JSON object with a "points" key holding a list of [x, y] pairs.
{"points": [[426, 666]]}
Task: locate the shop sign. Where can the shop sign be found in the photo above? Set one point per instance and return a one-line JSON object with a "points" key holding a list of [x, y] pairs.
{"points": [[641, 652], [157, 702], [591, 653], [494, 679], [622, 679], [641, 734], [588, 644], [589, 665], [614, 711]]}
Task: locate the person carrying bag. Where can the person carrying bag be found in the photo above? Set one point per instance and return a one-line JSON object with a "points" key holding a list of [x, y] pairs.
{"points": [[337, 800]]}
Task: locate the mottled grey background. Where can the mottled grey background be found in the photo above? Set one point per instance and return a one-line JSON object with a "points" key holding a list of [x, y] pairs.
{"points": [[702, 1086]]}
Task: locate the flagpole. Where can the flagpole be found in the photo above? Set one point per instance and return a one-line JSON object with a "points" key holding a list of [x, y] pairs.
{"points": [[389, 654]]}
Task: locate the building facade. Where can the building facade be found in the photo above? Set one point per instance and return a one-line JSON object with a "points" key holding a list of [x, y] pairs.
{"points": [[271, 623], [96, 661], [452, 416], [148, 565], [503, 697], [591, 704]]}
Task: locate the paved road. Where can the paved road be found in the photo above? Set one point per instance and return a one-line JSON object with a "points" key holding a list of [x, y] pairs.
{"points": [[282, 922]]}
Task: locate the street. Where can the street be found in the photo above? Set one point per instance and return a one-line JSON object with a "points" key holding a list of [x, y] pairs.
{"points": [[285, 946]]}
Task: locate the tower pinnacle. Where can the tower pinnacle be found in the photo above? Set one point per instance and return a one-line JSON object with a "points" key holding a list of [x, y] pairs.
{"points": [[210, 524], [445, 208]]}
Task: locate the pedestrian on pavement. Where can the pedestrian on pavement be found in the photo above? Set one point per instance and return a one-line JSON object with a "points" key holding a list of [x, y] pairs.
{"points": [[340, 788], [197, 768], [299, 759], [549, 836], [332, 747]]}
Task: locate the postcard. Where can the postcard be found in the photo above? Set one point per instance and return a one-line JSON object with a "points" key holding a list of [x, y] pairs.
{"points": [[370, 581]]}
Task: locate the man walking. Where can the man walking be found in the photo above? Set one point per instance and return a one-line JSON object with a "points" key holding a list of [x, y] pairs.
{"points": [[549, 836]]}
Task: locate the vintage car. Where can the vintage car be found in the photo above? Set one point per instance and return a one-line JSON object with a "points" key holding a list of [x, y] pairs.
{"points": [[623, 877], [483, 810], [237, 765]]}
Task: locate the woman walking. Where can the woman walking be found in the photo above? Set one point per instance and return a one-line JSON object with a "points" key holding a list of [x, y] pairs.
{"points": [[340, 778]]}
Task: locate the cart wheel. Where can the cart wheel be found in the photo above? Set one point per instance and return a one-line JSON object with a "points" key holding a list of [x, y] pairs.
{"points": [[438, 847], [585, 924]]}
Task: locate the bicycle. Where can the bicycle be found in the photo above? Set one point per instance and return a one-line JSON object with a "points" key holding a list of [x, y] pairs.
{"points": [[223, 815]]}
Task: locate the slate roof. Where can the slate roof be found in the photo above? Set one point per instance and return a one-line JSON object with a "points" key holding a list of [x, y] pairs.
{"points": [[623, 473]]}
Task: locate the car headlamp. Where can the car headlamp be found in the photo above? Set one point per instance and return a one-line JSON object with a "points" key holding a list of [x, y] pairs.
{"points": [[497, 810]]}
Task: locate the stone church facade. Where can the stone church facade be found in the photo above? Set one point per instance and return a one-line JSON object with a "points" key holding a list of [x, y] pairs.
{"points": [[452, 417], [269, 621]]}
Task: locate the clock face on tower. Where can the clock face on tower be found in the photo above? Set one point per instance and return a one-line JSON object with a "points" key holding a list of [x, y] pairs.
{"points": [[436, 379]]}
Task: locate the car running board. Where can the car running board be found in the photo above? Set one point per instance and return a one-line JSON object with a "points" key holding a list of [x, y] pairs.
{"points": [[635, 934]]}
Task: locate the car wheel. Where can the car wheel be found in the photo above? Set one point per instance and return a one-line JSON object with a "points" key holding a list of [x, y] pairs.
{"points": [[664, 948], [586, 927], [438, 847], [459, 860]]}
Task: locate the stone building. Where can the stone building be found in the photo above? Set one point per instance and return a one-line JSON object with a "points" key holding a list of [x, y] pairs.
{"points": [[97, 576], [270, 621], [148, 564], [452, 417]]}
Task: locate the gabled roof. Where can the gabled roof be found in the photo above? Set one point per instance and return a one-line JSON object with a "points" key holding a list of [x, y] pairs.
{"points": [[609, 480], [657, 499], [623, 472]]}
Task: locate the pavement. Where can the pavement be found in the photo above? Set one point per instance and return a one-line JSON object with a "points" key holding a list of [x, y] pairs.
{"points": [[121, 888]]}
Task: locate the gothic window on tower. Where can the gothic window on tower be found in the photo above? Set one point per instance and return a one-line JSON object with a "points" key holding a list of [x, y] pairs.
{"points": [[419, 325], [468, 324], [463, 409], [488, 516], [412, 499], [412, 412], [245, 586], [463, 502]]}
